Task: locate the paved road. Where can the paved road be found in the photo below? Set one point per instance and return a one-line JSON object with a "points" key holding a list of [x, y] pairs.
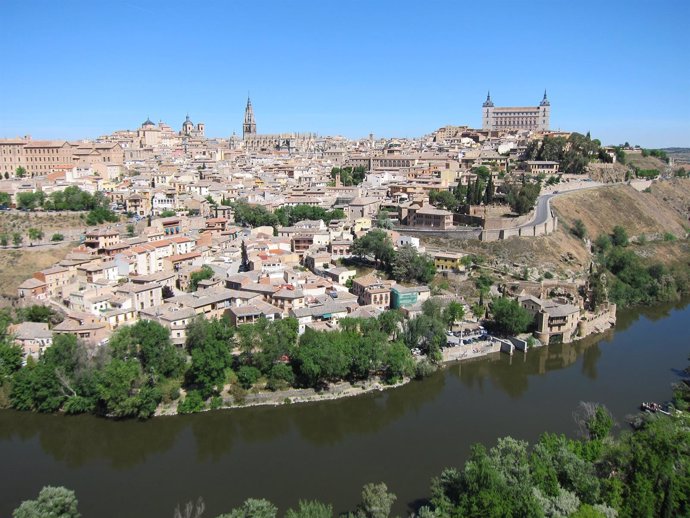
{"points": [[542, 212], [543, 208]]}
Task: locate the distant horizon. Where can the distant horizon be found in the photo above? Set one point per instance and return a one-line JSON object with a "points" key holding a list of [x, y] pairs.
{"points": [[394, 69]]}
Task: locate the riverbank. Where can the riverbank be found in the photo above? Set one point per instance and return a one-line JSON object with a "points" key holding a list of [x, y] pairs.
{"points": [[345, 389], [342, 389], [435, 420]]}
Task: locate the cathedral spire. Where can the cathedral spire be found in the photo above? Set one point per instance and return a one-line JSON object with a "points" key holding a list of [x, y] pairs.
{"points": [[488, 103], [249, 126]]}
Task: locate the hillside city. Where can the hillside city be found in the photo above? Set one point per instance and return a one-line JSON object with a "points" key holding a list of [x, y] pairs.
{"points": [[317, 231]]}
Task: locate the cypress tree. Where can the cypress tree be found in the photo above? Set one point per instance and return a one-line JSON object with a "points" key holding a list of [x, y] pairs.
{"points": [[244, 264]]}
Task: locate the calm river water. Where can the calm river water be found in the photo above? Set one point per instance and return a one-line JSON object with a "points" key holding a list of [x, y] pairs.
{"points": [[328, 450]]}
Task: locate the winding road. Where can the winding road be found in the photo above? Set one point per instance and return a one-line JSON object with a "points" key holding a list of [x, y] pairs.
{"points": [[542, 210]]}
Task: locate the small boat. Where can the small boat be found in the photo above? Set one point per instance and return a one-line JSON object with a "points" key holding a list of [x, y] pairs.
{"points": [[653, 408]]}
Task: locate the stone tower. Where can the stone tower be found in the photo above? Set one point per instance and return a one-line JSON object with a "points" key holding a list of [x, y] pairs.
{"points": [[544, 114], [487, 112], [249, 126]]}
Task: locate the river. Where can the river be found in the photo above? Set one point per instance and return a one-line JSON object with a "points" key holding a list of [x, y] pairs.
{"points": [[328, 450]]}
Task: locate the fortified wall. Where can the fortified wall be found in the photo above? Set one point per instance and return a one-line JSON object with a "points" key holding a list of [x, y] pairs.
{"points": [[597, 322]]}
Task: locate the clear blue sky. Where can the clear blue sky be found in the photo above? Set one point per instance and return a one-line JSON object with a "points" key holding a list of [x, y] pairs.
{"points": [[79, 69]]}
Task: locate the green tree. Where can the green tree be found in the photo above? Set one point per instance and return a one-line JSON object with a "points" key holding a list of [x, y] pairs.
{"points": [[399, 362], [253, 508], [30, 200], [426, 333], [17, 238], [390, 322], [375, 243], [167, 213], [208, 343], [4, 239], [57, 237], [290, 215], [602, 243], [192, 403], [244, 262], [453, 313], [274, 341], [482, 172], [523, 198], [100, 215], [45, 385], [619, 237], [52, 502], [280, 376], [117, 387], [310, 509], [443, 199], [20, 172], [383, 220], [509, 318], [490, 191], [323, 356], [248, 376], [39, 313], [579, 229], [254, 216], [10, 359], [408, 265], [206, 272], [376, 501], [5, 199], [349, 176], [149, 342], [130, 230]]}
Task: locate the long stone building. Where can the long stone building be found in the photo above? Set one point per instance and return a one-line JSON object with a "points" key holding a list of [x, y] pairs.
{"points": [[516, 118]]}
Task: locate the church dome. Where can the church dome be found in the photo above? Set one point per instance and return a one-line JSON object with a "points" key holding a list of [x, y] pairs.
{"points": [[148, 122]]}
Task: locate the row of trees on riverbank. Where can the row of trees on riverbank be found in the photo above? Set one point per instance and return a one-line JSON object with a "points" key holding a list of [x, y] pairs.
{"points": [[140, 367]]}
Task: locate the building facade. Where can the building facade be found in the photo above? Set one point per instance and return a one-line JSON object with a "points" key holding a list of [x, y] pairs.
{"points": [[516, 118]]}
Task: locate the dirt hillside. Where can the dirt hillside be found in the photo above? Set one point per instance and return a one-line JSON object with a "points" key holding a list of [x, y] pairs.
{"points": [[645, 162], [49, 222], [664, 209], [20, 264]]}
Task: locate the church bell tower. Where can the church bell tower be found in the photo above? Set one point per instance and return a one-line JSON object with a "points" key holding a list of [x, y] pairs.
{"points": [[544, 120], [487, 113], [249, 126]]}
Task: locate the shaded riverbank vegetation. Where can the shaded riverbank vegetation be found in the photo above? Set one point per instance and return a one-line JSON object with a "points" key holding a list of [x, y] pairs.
{"points": [[140, 369], [629, 280]]}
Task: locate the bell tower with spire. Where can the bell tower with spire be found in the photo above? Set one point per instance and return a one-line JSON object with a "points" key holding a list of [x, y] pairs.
{"points": [[249, 126], [487, 112], [544, 114]]}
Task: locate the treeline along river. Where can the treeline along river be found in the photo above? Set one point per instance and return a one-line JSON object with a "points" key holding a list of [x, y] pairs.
{"points": [[328, 450]]}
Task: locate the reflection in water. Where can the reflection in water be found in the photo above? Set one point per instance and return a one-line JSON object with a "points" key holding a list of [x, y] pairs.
{"points": [[76, 440], [290, 451], [511, 373]]}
